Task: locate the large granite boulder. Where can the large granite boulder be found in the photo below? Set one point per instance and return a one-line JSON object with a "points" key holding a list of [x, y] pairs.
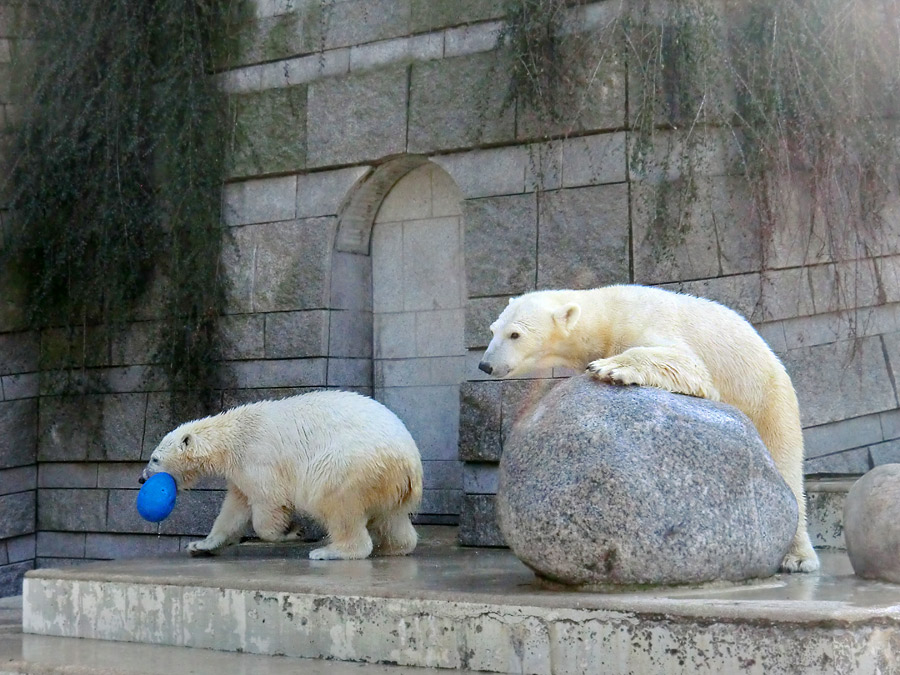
{"points": [[606, 485], [872, 524]]}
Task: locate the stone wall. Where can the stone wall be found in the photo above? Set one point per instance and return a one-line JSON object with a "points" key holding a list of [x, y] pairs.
{"points": [[361, 130], [18, 363]]}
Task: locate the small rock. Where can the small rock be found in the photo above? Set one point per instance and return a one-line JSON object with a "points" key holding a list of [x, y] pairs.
{"points": [[606, 485], [872, 524]]}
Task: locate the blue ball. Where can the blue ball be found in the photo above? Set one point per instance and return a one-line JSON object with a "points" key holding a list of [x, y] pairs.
{"points": [[156, 498]]}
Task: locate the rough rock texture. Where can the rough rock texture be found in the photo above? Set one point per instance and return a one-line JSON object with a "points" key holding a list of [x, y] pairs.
{"points": [[625, 485], [871, 514]]}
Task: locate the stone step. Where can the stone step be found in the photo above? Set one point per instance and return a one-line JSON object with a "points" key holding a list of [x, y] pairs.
{"points": [[825, 511], [474, 609]]}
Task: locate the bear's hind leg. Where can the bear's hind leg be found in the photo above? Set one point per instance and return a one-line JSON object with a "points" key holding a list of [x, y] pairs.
{"points": [[230, 524], [273, 523], [673, 368], [394, 534], [345, 520], [779, 427]]}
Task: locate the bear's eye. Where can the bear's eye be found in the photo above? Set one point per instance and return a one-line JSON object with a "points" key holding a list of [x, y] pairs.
{"points": [[513, 336], [154, 460]]}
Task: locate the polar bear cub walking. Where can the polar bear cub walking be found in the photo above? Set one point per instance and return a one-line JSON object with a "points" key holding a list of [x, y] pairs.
{"points": [[649, 336], [340, 457]]}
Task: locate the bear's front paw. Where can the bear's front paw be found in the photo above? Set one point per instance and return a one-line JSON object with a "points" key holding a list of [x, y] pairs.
{"points": [[793, 563], [610, 370], [204, 547]]}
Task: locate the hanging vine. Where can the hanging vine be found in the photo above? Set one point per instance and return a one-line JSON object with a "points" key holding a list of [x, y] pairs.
{"points": [[116, 180]]}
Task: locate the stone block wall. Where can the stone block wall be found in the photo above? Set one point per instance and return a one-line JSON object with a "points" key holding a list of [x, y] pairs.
{"points": [[339, 111], [18, 365]]}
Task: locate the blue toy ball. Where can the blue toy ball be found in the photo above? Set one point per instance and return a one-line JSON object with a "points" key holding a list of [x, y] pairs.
{"points": [[156, 498]]}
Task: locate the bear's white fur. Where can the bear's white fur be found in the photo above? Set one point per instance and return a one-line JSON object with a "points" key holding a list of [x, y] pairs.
{"points": [[340, 457], [649, 336]]}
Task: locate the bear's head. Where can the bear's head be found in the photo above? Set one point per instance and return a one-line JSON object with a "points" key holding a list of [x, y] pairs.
{"points": [[530, 334], [180, 453]]}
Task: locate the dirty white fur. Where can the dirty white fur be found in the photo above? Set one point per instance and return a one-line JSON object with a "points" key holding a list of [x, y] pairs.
{"points": [[649, 336], [340, 457]]}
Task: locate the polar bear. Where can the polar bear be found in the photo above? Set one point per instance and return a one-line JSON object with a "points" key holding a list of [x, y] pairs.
{"points": [[340, 457], [649, 336]]}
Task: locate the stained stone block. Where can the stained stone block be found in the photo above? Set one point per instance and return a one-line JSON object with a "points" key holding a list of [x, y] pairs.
{"points": [[428, 15], [19, 352], [292, 265], [354, 374], [478, 522], [785, 294], [480, 314], [122, 546], [501, 244], [275, 373], [742, 293], [194, 512], [269, 132], [351, 281], [441, 501], [479, 421], [67, 475], [275, 37], [73, 510], [260, 201], [11, 577], [885, 453], [19, 479], [577, 504], [840, 380], [713, 231], [242, 336], [239, 268], [456, 103], [480, 478], [297, 334], [121, 514], [91, 427], [583, 237], [442, 475], [850, 462], [354, 22], [19, 549], [357, 118], [60, 544], [18, 441], [350, 334], [590, 98], [17, 514], [828, 439], [594, 160]]}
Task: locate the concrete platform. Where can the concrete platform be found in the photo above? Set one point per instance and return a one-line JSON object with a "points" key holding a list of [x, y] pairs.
{"points": [[473, 609]]}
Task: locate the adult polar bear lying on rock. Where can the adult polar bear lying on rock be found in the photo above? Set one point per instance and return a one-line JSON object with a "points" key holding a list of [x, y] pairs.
{"points": [[649, 336], [342, 458]]}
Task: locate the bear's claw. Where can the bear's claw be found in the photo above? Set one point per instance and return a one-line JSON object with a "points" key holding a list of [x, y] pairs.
{"points": [[793, 563]]}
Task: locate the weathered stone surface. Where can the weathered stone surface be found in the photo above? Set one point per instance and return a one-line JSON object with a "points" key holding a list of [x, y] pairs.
{"points": [[871, 512], [427, 15], [92, 427], [501, 244], [72, 510], [840, 380], [16, 514], [478, 522], [479, 421], [480, 314], [296, 334], [714, 231], [19, 479], [18, 440], [11, 577], [18, 352], [849, 462], [456, 103], [242, 336], [357, 118], [590, 98], [626, 485], [583, 237], [269, 132], [292, 264], [260, 201]]}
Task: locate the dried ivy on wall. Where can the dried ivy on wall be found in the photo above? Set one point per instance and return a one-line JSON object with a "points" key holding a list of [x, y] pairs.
{"points": [[808, 90], [115, 185]]}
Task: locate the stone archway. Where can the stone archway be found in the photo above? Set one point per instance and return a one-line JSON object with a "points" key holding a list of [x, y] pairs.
{"points": [[407, 217]]}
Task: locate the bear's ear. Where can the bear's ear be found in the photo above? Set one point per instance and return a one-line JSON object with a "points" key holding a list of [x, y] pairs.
{"points": [[567, 316], [186, 441]]}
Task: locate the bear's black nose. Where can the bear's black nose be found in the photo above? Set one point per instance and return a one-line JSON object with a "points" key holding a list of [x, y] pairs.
{"points": [[486, 367], [142, 480]]}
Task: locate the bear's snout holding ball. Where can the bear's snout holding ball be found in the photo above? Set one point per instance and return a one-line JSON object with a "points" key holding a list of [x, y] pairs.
{"points": [[342, 458]]}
